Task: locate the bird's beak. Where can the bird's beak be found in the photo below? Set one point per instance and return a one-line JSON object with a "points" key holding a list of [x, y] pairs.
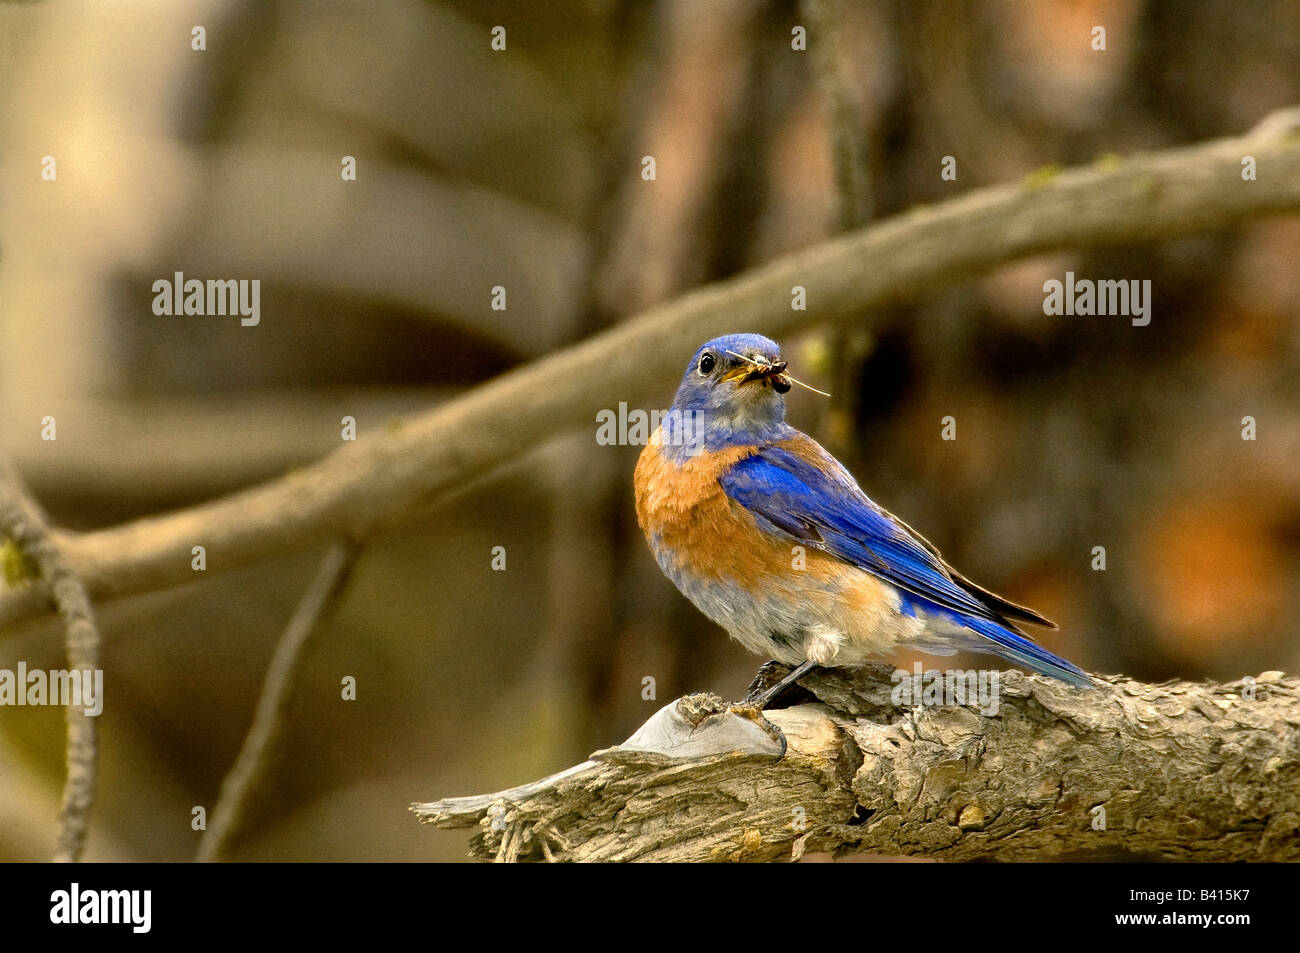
{"points": [[748, 373]]}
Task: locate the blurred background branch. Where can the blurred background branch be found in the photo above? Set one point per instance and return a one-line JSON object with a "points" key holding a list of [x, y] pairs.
{"points": [[268, 729], [357, 488], [23, 524]]}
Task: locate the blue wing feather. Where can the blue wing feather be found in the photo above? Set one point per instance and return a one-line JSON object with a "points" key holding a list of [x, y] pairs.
{"points": [[829, 511], [823, 507]]}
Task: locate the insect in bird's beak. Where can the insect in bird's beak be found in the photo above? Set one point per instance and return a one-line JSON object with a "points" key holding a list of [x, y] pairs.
{"points": [[760, 368]]}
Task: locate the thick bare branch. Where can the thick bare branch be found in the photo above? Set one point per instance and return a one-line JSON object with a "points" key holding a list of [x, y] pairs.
{"points": [[213, 444], [1178, 770], [357, 488]]}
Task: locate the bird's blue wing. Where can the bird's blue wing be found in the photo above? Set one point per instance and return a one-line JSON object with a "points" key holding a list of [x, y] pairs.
{"points": [[821, 506], [824, 508]]}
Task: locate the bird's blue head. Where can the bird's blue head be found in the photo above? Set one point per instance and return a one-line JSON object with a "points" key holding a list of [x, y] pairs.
{"points": [[732, 393]]}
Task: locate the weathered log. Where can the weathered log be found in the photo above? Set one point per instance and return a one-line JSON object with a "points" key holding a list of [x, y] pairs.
{"points": [[1179, 770]]}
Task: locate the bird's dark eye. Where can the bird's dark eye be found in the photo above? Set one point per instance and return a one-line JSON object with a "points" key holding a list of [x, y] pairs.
{"points": [[706, 364]]}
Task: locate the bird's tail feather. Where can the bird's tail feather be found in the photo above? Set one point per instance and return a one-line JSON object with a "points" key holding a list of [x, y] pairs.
{"points": [[1021, 650], [999, 604]]}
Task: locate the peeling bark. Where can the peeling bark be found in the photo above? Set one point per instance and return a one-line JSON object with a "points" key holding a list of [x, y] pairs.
{"points": [[1181, 770]]}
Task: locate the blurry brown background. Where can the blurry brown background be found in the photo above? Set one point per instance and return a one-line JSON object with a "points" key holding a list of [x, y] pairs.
{"points": [[522, 169]]}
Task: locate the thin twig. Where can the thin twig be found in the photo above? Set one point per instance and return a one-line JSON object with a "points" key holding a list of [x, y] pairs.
{"points": [[21, 520], [358, 488], [269, 720]]}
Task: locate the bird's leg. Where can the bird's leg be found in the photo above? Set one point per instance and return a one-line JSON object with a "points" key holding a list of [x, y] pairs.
{"points": [[760, 698], [762, 694], [768, 674]]}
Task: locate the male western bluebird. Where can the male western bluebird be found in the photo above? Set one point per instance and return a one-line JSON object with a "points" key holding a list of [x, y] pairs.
{"points": [[727, 492]]}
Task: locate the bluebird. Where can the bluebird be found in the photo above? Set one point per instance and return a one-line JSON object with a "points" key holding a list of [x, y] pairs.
{"points": [[771, 538]]}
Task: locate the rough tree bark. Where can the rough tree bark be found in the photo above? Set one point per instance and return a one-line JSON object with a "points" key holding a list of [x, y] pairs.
{"points": [[1182, 771]]}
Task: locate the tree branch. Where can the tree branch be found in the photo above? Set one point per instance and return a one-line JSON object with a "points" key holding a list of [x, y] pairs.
{"points": [[23, 522], [358, 488], [1179, 770], [839, 91], [270, 719]]}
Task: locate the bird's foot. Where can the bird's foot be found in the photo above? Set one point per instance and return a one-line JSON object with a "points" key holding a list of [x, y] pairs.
{"points": [[696, 708], [745, 709], [703, 725]]}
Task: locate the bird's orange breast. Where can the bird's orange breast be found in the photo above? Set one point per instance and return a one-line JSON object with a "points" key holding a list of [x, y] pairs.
{"points": [[696, 528]]}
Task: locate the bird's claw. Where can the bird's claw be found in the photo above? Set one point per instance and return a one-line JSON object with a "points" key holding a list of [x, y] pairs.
{"points": [[746, 709]]}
